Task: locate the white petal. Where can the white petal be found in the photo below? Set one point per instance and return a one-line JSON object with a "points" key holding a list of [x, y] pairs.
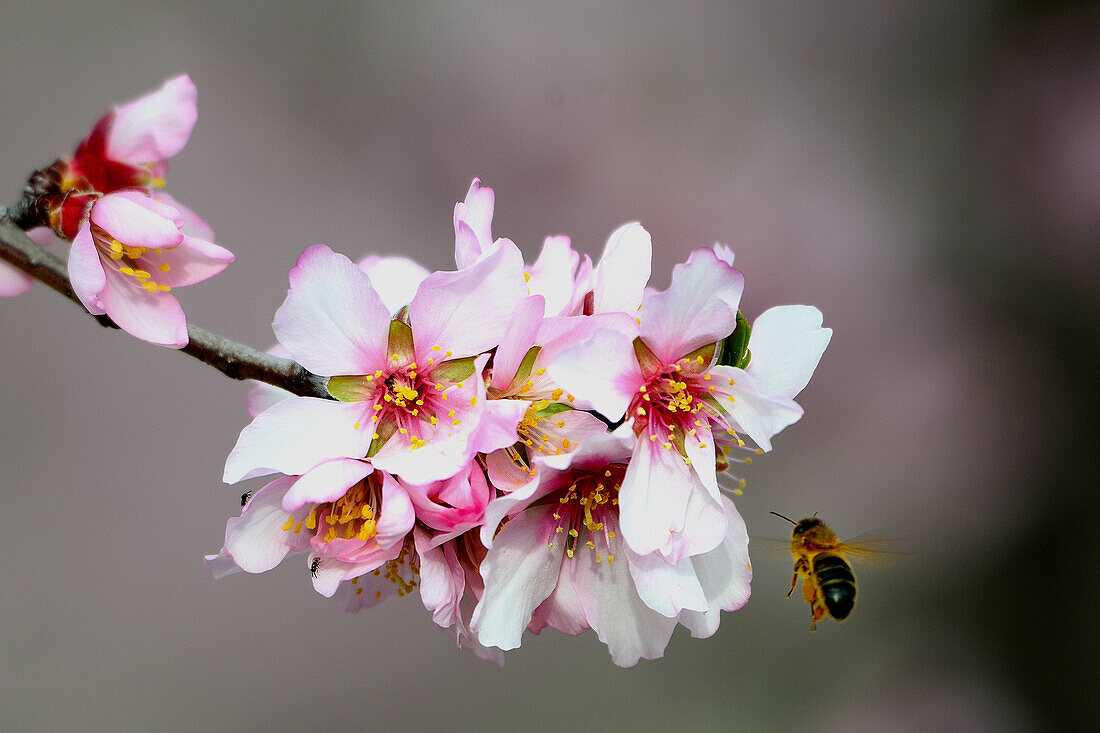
{"points": [[296, 434], [786, 344], [520, 572], [725, 575]]}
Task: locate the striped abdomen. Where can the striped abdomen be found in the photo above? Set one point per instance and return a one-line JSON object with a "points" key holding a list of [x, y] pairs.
{"points": [[836, 583]]}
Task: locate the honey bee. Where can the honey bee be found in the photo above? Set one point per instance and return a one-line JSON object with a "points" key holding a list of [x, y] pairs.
{"points": [[245, 497], [314, 565], [828, 585]]}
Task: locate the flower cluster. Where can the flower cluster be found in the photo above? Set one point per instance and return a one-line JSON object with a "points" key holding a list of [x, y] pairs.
{"points": [[528, 446], [132, 243]]}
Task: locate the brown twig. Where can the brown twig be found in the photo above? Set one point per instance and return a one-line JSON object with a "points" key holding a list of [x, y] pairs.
{"points": [[233, 359]]}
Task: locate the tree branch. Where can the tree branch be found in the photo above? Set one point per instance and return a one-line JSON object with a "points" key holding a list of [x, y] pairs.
{"points": [[233, 359]]}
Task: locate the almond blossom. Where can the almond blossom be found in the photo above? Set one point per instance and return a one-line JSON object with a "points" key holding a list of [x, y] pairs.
{"points": [[410, 392], [560, 561], [351, 518], [130, 251], [130, 146]]}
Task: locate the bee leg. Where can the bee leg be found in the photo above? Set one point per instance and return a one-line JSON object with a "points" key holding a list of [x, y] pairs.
{"points": [[799, 567]]}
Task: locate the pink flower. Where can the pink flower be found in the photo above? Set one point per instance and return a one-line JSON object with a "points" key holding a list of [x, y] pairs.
{"points": [[130, 146], [395, 279], [560, 561], [678, 398], [549, 429], [129, 253], [351, 518], [411, 392]]}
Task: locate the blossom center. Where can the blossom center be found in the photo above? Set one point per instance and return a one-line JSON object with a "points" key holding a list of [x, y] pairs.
{"points": [[353, 516], [403, 571], [128, 260], [590, 506]]}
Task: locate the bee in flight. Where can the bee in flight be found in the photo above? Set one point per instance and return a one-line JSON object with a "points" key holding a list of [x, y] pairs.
{"points": [[828, 585], [314, 565]]}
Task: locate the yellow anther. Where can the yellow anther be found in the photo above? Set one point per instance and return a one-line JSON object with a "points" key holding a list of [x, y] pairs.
{"points": [[456, 422], [289, 524], [126, 270], [150, 286], [473, 401], [731, 383]]}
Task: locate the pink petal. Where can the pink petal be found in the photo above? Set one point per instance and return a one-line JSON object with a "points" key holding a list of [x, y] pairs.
{"points": [[154, 317], [563, 609], [256, 540], [699, 307], [476, 214], [520, 573], [159, 206], [631, 629], [155, 127], [665, 587], [602, 372], [442, 580], [221, 564], [578, 427], [758, 416], [623, 271], [333, 321], [86, 271], [467, 312], [786, 344], [457, 502], [723, 252], [725, 575], [192, 225], [653, 499], [363, 592], [297, 434], [398, 513], [497, 428], [505, 475], [192, 262], [395, 279], [700, 451], [518, 339], [13, 282], [552, 275], [326, 482], [134, 224]]}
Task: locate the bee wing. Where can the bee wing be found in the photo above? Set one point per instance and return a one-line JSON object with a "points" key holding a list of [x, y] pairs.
{"points": [[874, 548], [770, 546]]}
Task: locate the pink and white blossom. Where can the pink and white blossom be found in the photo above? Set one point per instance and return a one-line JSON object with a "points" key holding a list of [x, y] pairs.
{"points": [[351, 518], [560, 561], [411, 394], [130, 146], [128, 254]]}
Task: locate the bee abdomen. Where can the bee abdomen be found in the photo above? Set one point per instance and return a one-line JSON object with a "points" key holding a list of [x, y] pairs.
{"points": [[837, 584]]}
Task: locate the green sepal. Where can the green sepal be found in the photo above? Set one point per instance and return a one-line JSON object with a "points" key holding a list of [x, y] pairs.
{"points": [[385, 430], [701, 359], [734, 350], [647, 360], [552, 409], [526, 365], [401, 341], [454, 370], [355, 388]]}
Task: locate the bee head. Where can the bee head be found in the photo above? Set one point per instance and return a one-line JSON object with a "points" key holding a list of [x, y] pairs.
{"points": [[806, 525]]}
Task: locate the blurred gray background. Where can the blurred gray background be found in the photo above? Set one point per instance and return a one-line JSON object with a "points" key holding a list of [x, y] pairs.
{"points": [[926, 174]]}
